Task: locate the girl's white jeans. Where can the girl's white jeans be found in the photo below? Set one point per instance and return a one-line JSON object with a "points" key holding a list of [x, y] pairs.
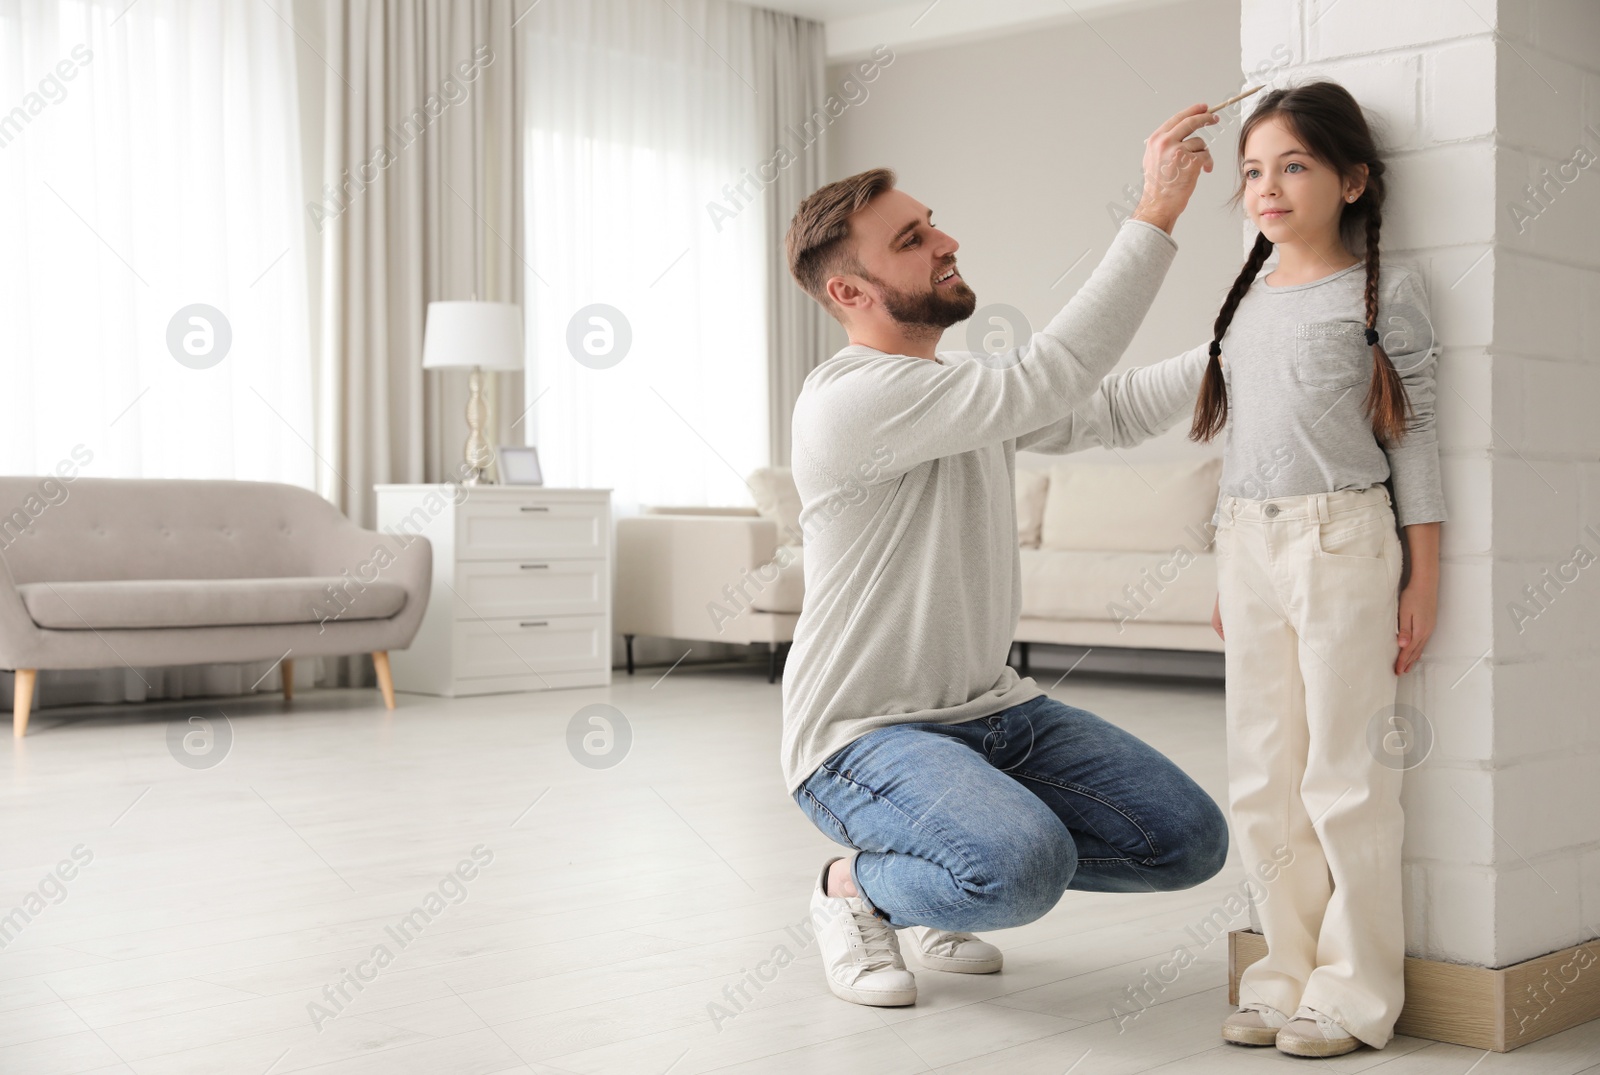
{"points": [[1307, 587]]}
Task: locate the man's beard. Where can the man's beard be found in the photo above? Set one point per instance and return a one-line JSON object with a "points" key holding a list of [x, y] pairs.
{"points": [[932, 309]]}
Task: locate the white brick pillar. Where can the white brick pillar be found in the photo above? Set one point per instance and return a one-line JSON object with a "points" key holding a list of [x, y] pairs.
{"points": [[1489, 114]]}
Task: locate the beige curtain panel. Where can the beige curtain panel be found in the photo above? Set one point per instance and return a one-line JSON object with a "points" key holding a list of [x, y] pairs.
{"points": [[421, 201]]}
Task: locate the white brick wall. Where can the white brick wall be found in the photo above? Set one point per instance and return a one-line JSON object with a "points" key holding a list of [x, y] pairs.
{"points": [[1458, 922], [1470, 531], [1542, 686], [1476, 102], [1537, 906], [1461, 686], [1547, 738], [1458, 87], [1444, 803], [1461, 289], [1589, 898], [1528, 287]]}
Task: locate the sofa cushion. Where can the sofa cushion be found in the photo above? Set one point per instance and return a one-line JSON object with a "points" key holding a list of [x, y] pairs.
{"points": [[136, 603], [1032, 485], [170, 528], [785, 593], [1113, 506], [1176, 586], [778, 499]]}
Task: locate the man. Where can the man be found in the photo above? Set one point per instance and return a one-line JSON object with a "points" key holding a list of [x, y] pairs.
{"points": [[970, 798]]}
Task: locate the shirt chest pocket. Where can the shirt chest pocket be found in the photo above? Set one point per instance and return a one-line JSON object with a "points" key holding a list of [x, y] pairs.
{"points": [[1332, 355]]}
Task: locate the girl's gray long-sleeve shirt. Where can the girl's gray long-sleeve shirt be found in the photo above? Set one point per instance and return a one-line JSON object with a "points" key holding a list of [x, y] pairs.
{"points": [[1296, 364], [906, 470]]}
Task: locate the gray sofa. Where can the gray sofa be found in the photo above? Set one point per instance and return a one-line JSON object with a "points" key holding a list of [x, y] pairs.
{"points": [[109, 572]]}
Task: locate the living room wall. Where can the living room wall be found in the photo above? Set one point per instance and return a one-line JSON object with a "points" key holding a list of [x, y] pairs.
{"points": [[1023, 145]]}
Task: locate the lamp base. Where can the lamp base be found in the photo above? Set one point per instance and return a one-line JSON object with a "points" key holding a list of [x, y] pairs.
{"points": [[477, 453]]}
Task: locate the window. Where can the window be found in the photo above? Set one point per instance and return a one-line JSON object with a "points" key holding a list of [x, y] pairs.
{"points": [[153, 305], [627, 144]]}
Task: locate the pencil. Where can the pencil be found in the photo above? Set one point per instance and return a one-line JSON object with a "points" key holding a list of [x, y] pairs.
{"points": [[1235, 97]]}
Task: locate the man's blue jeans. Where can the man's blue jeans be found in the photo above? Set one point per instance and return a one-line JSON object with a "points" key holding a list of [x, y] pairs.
{"points": [[984, 824]]}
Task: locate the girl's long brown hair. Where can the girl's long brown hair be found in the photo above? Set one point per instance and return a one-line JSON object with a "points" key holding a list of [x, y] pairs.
{"points": [[1333, 129]]}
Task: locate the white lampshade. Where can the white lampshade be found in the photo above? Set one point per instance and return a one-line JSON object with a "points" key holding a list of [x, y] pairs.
{"points": [[486, 334]]}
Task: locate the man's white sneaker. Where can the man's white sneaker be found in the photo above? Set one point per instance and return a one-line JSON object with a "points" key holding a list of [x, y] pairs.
{"points": [[860, 953], [1311, 1033], [962, 953]]}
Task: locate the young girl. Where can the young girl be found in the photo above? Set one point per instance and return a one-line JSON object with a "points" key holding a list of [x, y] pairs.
{"points": [[1321, 377]]}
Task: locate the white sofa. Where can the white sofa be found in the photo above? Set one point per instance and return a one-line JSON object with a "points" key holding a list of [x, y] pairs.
{"points": [[1118, 554], [1114, 554]]}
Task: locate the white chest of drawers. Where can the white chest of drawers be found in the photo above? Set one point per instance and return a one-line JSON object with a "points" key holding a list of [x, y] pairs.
{"points": [[521, 597]]}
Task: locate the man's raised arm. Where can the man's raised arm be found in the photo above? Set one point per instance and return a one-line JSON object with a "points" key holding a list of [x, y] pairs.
{"points": [[921, 410], [1127, 408]]}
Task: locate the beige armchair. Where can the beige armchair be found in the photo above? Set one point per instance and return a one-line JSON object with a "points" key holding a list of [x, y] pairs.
{"points": [[105, 572], [713, 574]]}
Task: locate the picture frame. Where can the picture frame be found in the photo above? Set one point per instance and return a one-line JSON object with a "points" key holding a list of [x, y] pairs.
{"points": [[520, 465]]}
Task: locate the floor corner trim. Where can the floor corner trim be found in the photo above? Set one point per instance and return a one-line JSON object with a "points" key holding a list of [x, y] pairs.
{"points": [[1479, 1007]]}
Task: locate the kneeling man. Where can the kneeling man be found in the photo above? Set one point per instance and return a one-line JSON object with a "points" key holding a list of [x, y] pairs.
{"points": [[969, 799]]}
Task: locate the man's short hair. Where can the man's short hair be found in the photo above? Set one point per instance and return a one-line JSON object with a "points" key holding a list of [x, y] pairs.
{"points": [[818, 242]]}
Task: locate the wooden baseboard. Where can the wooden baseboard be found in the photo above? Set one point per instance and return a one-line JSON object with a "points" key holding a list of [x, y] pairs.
{"points": [[1477, 1007]]}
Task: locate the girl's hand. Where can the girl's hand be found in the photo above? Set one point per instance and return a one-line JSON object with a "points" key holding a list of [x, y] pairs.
{"points": [[1419, 608], [1419, 601], [1216, 617]]}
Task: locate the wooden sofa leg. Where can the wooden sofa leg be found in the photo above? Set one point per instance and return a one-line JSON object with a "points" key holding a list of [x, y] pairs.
{"points": [[288, 679], [22, 701], [380, 662], [628, 641]]}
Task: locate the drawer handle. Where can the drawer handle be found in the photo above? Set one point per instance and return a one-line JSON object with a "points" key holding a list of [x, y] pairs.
{"points": [[529, 567], [536, 623], [543, 508]]}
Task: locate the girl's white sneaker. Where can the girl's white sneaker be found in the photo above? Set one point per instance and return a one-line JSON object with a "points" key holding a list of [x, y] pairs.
{"points": [[860, 953], [962, 953], [1310, 1033], [1253, 1024]]}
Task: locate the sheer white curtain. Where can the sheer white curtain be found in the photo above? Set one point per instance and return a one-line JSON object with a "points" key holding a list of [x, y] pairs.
{"points": [[149, 162], [638, 116]]}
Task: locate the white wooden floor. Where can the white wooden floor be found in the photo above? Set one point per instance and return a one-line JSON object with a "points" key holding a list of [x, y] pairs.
{"points": [[620, 904]]}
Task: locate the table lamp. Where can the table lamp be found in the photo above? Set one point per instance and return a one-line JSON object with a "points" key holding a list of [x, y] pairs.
{"points": [[477, 336]]}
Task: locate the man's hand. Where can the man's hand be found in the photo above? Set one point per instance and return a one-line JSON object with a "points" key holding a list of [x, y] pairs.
{"points": [[1216, 617], [1173, 161]]}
